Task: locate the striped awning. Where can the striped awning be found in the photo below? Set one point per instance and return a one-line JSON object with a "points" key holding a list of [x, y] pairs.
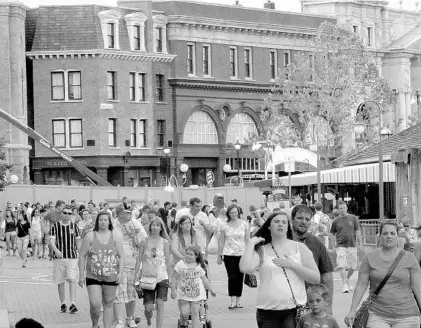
{"points": [[349, 174]]}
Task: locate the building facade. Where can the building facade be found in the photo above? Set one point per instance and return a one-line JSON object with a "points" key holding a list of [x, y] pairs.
{"points": [[99, 90], [228, 58]]}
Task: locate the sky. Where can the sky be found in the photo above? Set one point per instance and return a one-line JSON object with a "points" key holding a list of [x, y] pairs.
{"points": [[284, 5]]}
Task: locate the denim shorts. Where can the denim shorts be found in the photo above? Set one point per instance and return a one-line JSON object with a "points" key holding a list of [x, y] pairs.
{"points": [[160, 292], [375, 321], [276, 318]]}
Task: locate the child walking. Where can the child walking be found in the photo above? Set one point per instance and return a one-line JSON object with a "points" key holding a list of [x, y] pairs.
{"points": [[189, 283], [318, 317]]}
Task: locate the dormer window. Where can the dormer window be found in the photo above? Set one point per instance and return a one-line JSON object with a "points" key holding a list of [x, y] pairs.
{"points": [[136, 27], [110, 28], [160, 33]]}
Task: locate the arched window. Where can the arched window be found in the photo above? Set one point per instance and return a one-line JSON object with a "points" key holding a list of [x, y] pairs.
{"points": [[200, 129], [241, 127]]}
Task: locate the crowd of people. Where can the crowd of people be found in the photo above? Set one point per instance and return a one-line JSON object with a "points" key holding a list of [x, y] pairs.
{"points": [[128, 252]]}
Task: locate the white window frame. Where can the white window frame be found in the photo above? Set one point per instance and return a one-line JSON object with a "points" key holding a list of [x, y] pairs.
{"points": [[137, 94], [208, 46], [200, 129], [355, 29], [238, 126], [66, 85], [250, 63], [160, 21], [115, 85], [287, 54], [235, 48], [67, 120], [139, 136], [114, 119], [133, 20], [110, 16], [275, 58], [193, 46]]}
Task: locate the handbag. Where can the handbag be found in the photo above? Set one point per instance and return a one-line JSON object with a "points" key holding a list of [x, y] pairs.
{"points": [[250, 280], [361, 317], [148, 283], [213, 245], [301, 309]]}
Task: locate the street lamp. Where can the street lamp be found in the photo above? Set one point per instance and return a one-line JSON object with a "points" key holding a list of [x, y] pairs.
{"points": [[237, 147], [167, 151], [383, 131]]}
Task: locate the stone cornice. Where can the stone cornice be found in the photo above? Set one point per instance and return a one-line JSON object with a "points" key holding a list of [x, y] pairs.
{"points": [[220, 85], [239, 26], [101, 53]]}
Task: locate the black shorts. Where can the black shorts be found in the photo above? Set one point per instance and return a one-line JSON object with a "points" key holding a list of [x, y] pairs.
{"points": [[90, 282], [160, 292]]}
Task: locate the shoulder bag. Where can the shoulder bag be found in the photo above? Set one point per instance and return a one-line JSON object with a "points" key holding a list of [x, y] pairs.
{"points": [[148, 282], [361, 317], [301, 309]]}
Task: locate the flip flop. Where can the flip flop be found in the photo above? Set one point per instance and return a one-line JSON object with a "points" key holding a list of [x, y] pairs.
{"points": [[231, 307], [238, 306]]}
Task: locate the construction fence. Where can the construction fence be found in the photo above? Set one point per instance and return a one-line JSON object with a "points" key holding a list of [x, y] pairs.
{"points": [[113, 195]]}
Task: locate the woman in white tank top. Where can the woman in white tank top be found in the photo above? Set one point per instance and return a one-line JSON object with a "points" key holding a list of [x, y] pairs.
{"points": [[272, 251]]}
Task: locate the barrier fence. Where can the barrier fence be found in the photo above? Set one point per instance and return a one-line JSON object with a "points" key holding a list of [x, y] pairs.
{"points": [[113, 195], [369, 231]]}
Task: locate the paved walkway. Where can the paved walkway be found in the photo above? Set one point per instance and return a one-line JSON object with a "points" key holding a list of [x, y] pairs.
{"points": [[31, 293]]}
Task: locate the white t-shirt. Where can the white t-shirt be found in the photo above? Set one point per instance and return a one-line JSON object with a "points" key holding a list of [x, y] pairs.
{"points": [[190, 285]]}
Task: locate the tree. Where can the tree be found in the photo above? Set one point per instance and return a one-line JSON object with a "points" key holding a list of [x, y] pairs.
{"points": [[4, 166], [317, 98]]}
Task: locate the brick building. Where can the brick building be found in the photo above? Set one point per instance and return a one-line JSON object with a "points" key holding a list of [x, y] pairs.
{"points": [[98, 87], [227, 60]]}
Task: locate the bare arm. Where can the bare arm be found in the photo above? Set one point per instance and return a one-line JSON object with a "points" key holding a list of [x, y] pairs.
{"points": [[327, 280], [250, 260], [359, 238], [207, 284], [120, 253], [221, 245], [167, 257], [139, 259], [174, 247], [360, 288], [416, 283], [83, 252], [417, 252], [308, 271]]}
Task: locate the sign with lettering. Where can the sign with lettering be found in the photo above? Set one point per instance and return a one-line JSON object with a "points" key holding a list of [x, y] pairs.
{"points": [[106, 106]]}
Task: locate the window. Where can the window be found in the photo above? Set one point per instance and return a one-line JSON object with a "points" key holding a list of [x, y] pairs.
{"points": [[200, 129], [141, 82], [206, 60], [137, 86], [272, 64], [248, 63], [112, 134], [369, 36], [75, 131], [133, 133], [110, 35], [132, 86], [110, 28], [142, 133], [286, 59], [241, 127], [158, 39], [311, 66], [159, 87], [57, 86], [137, 39], [59, 133], [160, 128], [111, 85], [355, 29], [66, 85], [233, 62], [191, 59], [75, 86]]}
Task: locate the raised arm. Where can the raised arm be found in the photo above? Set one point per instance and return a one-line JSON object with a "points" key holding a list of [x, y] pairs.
{"points": [[250, 260]]}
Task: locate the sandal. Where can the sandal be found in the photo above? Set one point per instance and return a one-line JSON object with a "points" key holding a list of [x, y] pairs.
{"points": [[238, 306], [231, 307]]}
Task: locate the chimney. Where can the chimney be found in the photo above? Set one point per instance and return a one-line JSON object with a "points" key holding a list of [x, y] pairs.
{"points": [[269, 5]]}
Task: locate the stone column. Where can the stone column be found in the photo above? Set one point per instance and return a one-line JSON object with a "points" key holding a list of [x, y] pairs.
{"points": [[401, 117], [13, 85], [219, 176]]}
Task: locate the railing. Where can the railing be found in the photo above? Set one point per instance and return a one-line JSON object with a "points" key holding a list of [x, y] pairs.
{"points": [[369, 231]]}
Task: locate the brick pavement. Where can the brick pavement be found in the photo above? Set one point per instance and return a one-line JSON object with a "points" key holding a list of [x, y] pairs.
{"points": [[30, 292]]}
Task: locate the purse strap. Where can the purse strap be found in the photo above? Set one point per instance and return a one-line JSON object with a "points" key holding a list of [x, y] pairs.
{"points": [[286, 276], [389, 273]]}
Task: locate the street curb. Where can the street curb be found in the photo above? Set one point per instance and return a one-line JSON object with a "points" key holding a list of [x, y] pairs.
{"points": [[4, 314]]}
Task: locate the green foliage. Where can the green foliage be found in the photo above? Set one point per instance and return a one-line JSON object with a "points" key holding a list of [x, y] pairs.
{"points": [[4, 166], [317, 96]]}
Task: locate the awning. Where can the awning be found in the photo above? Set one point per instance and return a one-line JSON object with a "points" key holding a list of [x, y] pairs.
{"points": [[367, 173]]}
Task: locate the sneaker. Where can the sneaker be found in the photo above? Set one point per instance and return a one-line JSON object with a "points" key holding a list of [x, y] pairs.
{"points": [[149, 322], [63, 308], [137, 319], [345, 289], [73, 309], [119, 324], [350, 287], [130, 322]]}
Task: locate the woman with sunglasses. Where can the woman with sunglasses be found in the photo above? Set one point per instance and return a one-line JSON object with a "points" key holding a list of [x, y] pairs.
{"points": [[10, 232], [36, 234], [23, 229]]}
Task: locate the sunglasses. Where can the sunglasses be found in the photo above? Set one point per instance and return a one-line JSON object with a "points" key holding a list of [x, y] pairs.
{"points": [[67, 213]]}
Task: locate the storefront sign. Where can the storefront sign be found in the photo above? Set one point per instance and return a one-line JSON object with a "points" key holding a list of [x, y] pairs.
{"points": [[60, 163], [106, 106]]}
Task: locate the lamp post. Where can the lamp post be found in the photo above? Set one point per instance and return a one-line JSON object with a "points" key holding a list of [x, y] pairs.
{"points": [[167, 151], [237, 147], [359, 128], [315, 148]]}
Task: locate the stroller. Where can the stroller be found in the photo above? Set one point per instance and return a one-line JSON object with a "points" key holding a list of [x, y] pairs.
{"points": [[204, 315]]}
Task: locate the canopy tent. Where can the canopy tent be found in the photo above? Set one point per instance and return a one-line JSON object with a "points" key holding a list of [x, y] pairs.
{"points": [[367, 173]]}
